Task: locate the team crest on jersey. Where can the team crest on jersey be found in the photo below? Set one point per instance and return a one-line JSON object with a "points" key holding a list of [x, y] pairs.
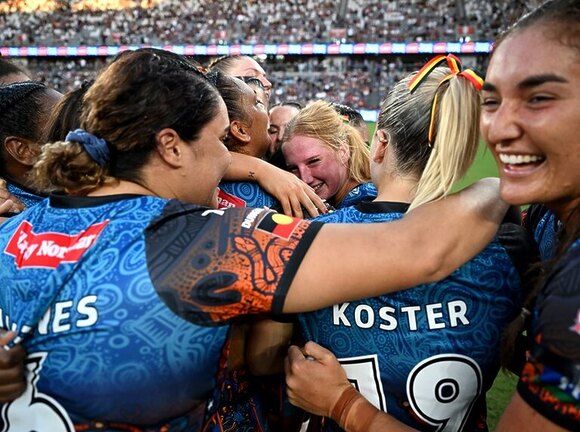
{"points": [[226, 200], [50, 249], [576, 327], [278, 224]]}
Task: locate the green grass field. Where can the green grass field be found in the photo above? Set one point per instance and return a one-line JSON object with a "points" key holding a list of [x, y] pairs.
{"points": [[505, 383]]}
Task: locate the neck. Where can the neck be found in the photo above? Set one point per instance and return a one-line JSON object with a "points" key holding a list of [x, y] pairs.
{"points": [[564, 209], [123, 187], [344, 190], [395, 188]]}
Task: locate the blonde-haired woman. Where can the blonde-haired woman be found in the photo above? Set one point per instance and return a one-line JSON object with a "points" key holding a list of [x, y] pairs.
{"points": [[328, 154]]}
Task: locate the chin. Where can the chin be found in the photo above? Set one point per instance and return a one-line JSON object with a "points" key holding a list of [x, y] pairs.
{"points": [[520, 195]]}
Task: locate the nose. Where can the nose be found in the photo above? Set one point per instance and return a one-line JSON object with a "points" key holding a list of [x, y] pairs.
{"points": [[501, 126], [280, 134], [305, 175], [267, 84]]}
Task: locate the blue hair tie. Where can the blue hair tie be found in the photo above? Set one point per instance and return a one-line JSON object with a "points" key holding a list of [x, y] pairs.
{"points": [[96, 147]]}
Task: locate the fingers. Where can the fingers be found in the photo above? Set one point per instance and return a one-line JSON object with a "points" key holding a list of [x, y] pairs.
{"points": [[15, 206], [316, 204], [296, 207], [317, 351], [6, 337], [6, 206], [12, 381]]}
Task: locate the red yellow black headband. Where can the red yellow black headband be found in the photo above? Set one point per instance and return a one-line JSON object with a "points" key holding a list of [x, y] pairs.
{"points": [[456, 70]]}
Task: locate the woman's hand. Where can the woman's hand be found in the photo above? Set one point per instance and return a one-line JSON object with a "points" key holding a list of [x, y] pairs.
{"points": [[8, 202], [293, 194], [12, 382], [314, 364]]}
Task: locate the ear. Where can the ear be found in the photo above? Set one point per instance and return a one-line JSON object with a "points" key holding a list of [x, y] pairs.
{"points": [[379, 148], [344, 153], [170, 147], [240, 131], [22, 150]]}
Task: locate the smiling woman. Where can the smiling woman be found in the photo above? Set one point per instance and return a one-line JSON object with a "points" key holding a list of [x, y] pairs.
{"points": [[328, 154], [530, 118]]}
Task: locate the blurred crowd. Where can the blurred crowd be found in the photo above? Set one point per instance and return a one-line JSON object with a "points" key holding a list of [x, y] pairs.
{"points": [[114, 22], [357, 82]]}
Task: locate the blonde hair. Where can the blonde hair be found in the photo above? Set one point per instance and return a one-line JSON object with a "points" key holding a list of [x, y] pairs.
{"points": [[319, 120], [405, 118]]}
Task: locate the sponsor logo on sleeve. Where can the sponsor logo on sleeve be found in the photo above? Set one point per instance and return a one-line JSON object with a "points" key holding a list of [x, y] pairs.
{"points": [[278, 224], [50, 249]]}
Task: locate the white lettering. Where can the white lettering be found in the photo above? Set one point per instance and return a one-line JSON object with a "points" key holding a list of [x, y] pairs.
{"points": [[251, 217], [43, 323], [432, 316], [391, 320], [61, 314], [410, 311], [90, 312], [338, 316], [457, 310], [370, 315], [437, 315]]}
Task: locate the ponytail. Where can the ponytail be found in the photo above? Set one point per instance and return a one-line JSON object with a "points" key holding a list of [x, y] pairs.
{"points": [[455, 142]]}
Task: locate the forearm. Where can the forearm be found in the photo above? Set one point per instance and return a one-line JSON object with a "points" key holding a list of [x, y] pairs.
{"points": [[425, 246], [449, 232], [267, 345], [364, 417], [243, 168]]}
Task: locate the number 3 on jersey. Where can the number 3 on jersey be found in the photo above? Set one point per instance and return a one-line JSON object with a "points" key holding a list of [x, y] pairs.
{"points": [[441, 389]]}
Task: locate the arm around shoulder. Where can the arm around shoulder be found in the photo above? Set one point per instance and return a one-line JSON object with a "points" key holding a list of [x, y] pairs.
{"points": [[354, 261]]}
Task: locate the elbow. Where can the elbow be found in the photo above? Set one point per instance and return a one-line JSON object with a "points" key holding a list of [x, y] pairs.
{"points": [[437, 265]]}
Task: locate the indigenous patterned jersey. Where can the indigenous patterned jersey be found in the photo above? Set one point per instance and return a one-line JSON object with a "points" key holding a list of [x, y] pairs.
{"points": [[363, 192], [244, 194], [550, 380], [545, 228], [101, 290], [28, 197], [426, 355]]}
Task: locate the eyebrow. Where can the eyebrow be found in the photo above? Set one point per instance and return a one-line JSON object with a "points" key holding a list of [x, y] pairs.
{"points": [[530, 82]]}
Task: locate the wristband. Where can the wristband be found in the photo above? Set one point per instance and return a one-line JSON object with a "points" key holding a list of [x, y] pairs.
{"points": [[365, 413], [344, 403]]}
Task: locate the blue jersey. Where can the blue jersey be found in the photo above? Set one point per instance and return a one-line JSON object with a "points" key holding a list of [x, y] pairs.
{"points": [[363, 192], [426, 355], [28, 197], [550, 380], [244, 194], [120, 304], [545, 227]]}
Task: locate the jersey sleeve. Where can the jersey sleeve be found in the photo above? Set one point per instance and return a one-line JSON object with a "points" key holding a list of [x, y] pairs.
{"points": [[550, 380], [211, 266]]}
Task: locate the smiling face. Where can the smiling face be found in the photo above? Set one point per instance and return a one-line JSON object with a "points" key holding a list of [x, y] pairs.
{"points": [[316, 164], [531, 119]]}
